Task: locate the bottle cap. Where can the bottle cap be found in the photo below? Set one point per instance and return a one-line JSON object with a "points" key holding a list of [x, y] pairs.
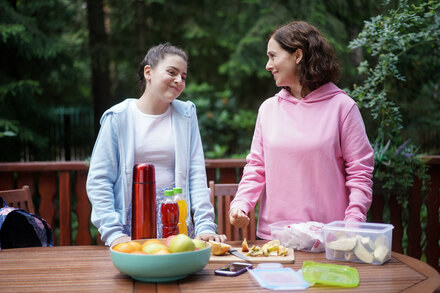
{"points": [[169, 193], [177, 190], [144, 173]]}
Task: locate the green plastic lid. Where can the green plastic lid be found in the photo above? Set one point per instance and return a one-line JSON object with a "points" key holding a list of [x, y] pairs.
{"points": [[177, 190], [330, 274], [169, 193]]}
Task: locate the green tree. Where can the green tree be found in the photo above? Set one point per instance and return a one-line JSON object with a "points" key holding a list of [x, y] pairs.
{"points": [[390, 39], [46, 61], [99, 55], [40, 51], [226, 42]]}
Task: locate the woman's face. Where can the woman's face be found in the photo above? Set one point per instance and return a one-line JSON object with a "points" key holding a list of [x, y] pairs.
{"points": [[167, 80], [282, 64]]}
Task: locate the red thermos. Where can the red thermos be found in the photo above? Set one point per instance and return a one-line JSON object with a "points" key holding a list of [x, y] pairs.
{"points": [[144, 222]]}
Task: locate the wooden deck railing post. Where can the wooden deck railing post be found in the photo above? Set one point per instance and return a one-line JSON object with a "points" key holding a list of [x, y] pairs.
{"points": [[414, 230], [82, 209], [376, 209], [26, 178], [64, 208], [6, 180], [433, 227], [47, 189], [396, 220]]}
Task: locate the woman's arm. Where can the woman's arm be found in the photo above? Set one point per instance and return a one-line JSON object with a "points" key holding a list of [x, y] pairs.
{"points": [[359, 165], [103, 175], [254, 176]]}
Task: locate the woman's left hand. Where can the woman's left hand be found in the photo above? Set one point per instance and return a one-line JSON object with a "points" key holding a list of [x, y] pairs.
{"points": [[212, 236]]}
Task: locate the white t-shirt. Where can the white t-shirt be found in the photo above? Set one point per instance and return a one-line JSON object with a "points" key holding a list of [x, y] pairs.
{"points": [[154, 143]]}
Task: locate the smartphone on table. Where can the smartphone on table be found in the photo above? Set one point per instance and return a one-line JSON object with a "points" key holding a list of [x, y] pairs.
{"points": [[233, 269]]}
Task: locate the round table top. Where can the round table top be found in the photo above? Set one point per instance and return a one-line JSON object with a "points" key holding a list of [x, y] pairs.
{"points": [[89, 268]]}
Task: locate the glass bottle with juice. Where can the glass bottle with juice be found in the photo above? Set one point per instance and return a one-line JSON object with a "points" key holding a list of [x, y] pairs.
{"points": [[183, 209], [170, 215]]}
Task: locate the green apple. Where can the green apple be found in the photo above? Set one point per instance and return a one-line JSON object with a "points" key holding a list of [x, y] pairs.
{"points": [[200, 244], [181, 243]]}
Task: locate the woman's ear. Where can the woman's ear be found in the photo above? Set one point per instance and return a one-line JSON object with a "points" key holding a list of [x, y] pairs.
{"points": [[147, 72], [298, 55]]}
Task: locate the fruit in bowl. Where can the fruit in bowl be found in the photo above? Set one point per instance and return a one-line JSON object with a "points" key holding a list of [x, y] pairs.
{"points": [[200, 244], [181, 243], [159, 260]]}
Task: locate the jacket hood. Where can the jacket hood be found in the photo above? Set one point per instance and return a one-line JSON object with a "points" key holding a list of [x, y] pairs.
{"points": [[324, 92]]}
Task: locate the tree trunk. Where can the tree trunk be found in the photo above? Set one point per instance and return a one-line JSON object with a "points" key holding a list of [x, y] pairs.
{"points": [[99, 56], [141, 26]]}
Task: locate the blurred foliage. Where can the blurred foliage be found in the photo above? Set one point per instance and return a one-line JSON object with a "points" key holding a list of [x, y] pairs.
{"points": [[393, 40], [46, 63], [43, 64], [221, 120], [226, 42]]}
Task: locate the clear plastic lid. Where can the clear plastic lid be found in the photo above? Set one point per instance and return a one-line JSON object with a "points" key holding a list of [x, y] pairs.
{"points": [[274, 276]]}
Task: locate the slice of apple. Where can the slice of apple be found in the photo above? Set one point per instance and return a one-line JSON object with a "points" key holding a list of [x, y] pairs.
{"points": [[344, 244], [219, 248]]}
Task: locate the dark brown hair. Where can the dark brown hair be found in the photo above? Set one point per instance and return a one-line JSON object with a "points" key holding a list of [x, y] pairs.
{"points": [[319, 64], [156, 54]]}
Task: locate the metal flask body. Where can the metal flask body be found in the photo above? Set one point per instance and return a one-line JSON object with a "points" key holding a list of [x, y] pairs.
{"points": [[144, 221]]}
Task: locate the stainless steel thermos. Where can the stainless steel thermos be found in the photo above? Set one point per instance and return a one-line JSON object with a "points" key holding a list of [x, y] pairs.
{"points": [[144, 221]]}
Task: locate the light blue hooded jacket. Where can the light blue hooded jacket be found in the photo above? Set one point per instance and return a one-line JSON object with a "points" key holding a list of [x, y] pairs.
{"points": [[109, 182]]}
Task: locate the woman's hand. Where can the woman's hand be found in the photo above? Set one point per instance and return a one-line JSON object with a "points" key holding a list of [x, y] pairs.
{"points": [[121, 239], [212, 236], [238, 218]]}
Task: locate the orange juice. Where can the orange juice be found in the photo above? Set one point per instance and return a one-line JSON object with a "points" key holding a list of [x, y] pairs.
{"points": [[183, 208]]}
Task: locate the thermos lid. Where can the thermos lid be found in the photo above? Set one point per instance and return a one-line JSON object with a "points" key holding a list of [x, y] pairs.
{"points": [[169, 193], [144, 173], [177, 190]]}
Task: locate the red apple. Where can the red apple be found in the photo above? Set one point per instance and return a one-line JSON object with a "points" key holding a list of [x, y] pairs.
{"points": [[168, 240]]}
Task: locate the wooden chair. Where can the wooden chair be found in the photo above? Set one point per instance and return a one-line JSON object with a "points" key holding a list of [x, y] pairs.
{"points": [[221, 197], [19, 198]]}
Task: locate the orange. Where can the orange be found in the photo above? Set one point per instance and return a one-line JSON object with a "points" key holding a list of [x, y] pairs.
{"points": [[137, 246], [219, 248], [124, 247]]}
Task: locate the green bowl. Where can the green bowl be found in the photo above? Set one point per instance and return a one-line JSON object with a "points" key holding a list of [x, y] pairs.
{"points": [[160, 268]]}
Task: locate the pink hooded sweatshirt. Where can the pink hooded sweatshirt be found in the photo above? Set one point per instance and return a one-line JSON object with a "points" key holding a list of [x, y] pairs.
{"points": [[314, 158]]}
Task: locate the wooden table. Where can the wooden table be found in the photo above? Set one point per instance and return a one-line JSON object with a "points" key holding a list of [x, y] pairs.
{"points": [[90, 269]]}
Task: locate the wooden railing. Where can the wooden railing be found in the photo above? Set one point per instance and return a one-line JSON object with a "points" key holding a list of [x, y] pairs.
{"points": [[59, 193]]}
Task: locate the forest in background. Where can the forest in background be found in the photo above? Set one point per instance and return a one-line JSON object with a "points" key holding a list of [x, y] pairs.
{"points": [[81, 57]]}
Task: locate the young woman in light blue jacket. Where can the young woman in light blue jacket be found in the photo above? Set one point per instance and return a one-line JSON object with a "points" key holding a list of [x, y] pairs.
{"points": [[156, 129]]}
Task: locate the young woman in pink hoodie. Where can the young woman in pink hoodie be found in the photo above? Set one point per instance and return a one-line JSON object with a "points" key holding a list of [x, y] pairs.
{"points": [[310, 150]]}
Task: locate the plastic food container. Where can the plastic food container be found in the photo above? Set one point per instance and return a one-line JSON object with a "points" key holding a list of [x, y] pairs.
{"points": [[330, 274], [358, 242], [304, 236]]}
